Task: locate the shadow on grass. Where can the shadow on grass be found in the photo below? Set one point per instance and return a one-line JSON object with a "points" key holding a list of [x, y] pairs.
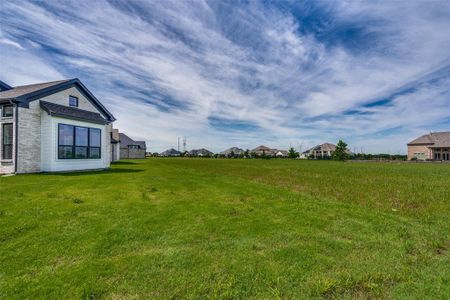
{"points": [[98, 172], [123, 163]]}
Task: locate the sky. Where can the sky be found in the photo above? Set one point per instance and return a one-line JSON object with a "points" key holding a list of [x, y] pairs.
{"points": [[244, 73]]}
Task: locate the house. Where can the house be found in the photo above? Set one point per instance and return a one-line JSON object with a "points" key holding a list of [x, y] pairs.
{"points": [[233, 151], [322, 151], [130, 148], [53, 126], [263, 150], [170, 152], [432, 146], [281, 153], [201, 152]]}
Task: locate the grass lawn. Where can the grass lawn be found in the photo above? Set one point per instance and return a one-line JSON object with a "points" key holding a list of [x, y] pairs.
{"points": [[207, 228]]}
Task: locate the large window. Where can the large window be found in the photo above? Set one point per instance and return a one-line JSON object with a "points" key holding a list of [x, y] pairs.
{"points": [[7, 111], [76, 142], [7, 141]]}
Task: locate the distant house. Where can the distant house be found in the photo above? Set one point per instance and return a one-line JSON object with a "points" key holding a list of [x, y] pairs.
{"points": [[201, 152], [432, 146], [53, 126], [281, 153], [233, 151], [170, 152], [263, 150], [322, 151], [130, 148]]}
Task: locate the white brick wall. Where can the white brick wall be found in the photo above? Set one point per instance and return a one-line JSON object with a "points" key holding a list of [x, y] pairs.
{"points": [[29, 147]]}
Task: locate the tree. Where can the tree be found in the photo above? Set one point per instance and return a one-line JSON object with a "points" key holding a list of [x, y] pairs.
{"points": [[340, 153], [247, 153], [292, 153]]}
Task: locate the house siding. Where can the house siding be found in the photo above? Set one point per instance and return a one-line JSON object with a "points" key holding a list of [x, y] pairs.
{"points": [[420, 149], [62, 98], [49, 157]]}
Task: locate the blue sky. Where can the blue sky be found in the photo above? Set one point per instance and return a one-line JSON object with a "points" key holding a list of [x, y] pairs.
{"points": [[244, 73]]}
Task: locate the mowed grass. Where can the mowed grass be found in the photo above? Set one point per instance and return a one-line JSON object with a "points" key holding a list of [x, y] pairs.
{"points": [[210, 228]]}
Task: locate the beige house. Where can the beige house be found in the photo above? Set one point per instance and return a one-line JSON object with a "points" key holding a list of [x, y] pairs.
{"points": [[263, 150], [325, 150], [432, 146]]}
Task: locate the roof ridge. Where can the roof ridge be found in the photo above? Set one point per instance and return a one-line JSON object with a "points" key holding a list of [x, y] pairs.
{"points": [[45, 82]]}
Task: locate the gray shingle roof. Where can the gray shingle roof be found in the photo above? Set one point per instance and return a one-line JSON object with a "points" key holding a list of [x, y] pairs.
{"points": [[126, 141], [434, 139], [170, 152], [235, 150], [26, 89], [262, 148], [200, 152], [324, 147], [62, 111]]}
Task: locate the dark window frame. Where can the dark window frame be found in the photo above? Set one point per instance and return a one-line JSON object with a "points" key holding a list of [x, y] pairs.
{"points": [[3, 141], [3, 111], [74, 145], [73, 98]]}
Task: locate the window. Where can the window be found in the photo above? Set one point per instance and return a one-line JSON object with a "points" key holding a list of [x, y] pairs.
{"points": [[7, 111], [76, 142], [133, 146], [419, 155], [73, 101], [81, 142], [7, 141], [94, 143]]}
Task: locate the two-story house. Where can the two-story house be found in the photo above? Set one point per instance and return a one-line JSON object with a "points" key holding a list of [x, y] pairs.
{"points": [[432, 146]]}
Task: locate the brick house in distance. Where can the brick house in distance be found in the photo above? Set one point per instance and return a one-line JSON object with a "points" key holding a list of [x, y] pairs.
{"points": [[432, 146], [130, 148]]}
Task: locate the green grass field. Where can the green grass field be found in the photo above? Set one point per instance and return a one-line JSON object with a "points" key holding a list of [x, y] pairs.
{"points": [[207, 228]]}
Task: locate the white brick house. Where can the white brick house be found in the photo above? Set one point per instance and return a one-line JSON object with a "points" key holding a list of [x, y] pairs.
{"points": [[53, 126]]}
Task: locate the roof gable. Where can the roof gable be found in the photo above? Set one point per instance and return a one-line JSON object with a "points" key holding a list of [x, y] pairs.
{"points": [[27, 93], [4, 86], [126, 141]]}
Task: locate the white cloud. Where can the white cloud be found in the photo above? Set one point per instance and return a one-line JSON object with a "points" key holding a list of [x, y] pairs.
{"points": [[248, 63]]}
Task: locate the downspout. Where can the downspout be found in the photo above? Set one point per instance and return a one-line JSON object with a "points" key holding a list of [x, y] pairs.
{"points": [[16, 133]]}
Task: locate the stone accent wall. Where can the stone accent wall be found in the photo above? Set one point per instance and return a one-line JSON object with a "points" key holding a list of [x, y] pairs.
{"points": [[131, 153], [108, 145], [29, 135], [420, 149]]}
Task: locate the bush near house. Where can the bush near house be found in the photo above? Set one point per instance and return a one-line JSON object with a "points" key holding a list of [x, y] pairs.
{"points": [[222, 228]]}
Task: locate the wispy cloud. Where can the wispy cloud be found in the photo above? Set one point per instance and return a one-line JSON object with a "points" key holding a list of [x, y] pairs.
{"points": [[225, 74]]}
